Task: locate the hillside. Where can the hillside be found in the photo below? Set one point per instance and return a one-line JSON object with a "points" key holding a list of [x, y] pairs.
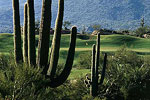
{"points": [[111, 14]]}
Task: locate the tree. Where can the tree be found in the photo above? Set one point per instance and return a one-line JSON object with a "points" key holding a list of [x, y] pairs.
{"points": [[142, 22], [84, 29], [141, 31], [96, 27], [66, 24], [37, 26]]}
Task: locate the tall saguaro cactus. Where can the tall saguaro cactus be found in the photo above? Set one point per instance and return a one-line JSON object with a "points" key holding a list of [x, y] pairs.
{"points": [[55, 82], [97, 60], [56, 40], [31, 33], [93, 74], [43, 46], [25, 34], [54, 56], [93, 82], [17, 32]]}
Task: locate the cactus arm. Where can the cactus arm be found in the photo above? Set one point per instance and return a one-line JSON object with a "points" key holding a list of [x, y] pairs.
{"points": [[93, 78], [104, 69], [25, 35], [56, 40], [69, 62], [31, 33], [97, 59], [17, 32], [43, 46]]}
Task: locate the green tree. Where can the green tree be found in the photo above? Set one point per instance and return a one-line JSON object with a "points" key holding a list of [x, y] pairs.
{"points": [[66, 24], [142, 22], [84, 29], [37, 26], [141, 31], [96, 27]]}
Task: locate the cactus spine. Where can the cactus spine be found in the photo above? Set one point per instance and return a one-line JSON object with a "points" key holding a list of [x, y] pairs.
{"points": [[25, 34], [43, 46], [31, 33], [17, 32], [93, 82]]}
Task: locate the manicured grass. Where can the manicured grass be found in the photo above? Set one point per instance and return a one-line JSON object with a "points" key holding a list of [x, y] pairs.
{"points": [[77, 73], [109, 43]]}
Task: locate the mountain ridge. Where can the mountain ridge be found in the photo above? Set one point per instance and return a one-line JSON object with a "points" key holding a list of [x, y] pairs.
{"points": [[110, 14]]}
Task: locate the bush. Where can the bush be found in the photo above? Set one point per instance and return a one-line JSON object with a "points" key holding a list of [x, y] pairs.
{"points": [[24, 82], [127, 77], [141, 31], [83, 36], [85, 60]]}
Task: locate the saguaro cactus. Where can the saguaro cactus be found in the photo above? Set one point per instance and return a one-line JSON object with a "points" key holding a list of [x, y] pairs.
{"points": [[31, 33], [54, 55], [93, 74], [56, 40], [55, 50], [25, 34], [93, 82], [55, 82], [17, 32], [43, 47], [49, 68]]}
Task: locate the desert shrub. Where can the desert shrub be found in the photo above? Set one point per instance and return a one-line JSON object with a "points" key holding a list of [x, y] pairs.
{"points": [[72, 90], [141, 31], [27, 83], [6, 61], [3, 62], [85, 60], [127, 77], [83, 36], [127, 57], [21, 82]]}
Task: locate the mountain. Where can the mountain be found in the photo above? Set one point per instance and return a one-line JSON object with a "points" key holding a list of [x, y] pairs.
{"points": [[110, 14]]}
